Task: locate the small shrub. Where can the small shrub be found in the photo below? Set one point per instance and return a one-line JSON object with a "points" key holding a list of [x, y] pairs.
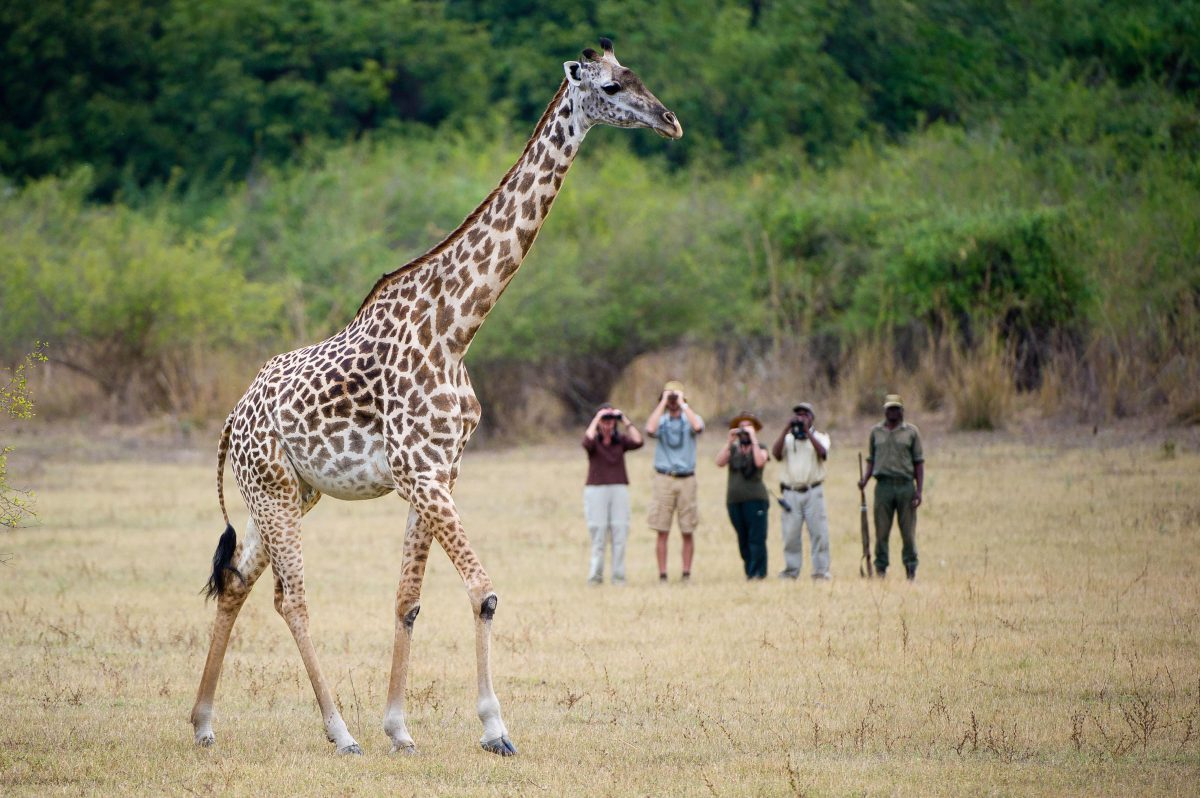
{"points": [[1007, 266], [1179, 382], [15, 402]]}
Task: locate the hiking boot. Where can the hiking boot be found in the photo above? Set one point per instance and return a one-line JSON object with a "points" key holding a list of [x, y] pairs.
{"points": [[910, 572]]}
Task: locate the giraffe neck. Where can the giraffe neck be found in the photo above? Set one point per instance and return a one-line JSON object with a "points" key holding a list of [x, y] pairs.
{"points": [[447, 293]]}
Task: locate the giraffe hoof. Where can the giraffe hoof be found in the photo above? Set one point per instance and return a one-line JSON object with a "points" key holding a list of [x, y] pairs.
{"points": [[501, 745], [351, 750], [405, 749], [206, 739]]}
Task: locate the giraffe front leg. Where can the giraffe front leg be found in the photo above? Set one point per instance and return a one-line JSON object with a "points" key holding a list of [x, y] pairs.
{"points": [[495, 733], [408, 604], [434, 504]]}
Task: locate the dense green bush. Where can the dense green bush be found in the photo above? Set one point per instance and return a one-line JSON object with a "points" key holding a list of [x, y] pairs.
{"points": [[1002, 265], [821, 246], [120, 296]]}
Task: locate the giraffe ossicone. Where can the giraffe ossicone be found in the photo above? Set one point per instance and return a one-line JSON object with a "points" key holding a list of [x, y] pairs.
{"points": [[385, 405]]}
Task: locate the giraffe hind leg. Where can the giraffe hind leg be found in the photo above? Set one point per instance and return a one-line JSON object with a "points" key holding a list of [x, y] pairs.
{"points": [[237, 565], [281, 530], [248, 560]]}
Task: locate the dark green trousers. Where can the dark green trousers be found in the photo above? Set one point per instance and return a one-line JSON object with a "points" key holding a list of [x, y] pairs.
{"points": [[749, 520], [893, 497]]}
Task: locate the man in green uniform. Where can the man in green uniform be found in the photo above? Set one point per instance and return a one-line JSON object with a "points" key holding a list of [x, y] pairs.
{"points": [[896, 460]]}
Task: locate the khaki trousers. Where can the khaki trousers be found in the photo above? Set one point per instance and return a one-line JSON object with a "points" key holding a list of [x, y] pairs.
{"points": [[807, 507]]}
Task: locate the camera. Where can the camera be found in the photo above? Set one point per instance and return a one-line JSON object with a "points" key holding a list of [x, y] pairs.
{"points": [[798, 430], [744, 438]]}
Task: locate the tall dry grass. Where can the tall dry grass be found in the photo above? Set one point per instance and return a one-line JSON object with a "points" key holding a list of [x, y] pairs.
{"points": [[1093, 378], [197, 387], [1049, 646], [977, 386], [982, 383]]}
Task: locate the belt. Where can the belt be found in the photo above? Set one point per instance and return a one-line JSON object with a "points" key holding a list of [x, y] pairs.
{"points": [[800, 488], [676, 474]]}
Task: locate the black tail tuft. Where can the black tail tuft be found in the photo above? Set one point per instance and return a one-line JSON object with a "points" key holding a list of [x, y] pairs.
{"points": [[222, 558]]}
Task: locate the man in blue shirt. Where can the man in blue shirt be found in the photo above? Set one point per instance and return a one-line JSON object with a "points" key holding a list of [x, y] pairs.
{"points": [[674, 426]]}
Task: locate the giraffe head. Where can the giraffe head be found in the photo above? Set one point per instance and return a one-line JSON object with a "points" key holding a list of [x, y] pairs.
{"points": [[606, 93]]}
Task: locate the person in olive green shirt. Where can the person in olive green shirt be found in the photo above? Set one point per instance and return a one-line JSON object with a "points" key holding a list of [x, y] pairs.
{"points": [[896, 460], [746, 496]]}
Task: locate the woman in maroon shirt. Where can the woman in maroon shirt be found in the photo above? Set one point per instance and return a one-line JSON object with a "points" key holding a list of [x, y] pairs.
{"points": [[606, 493]]}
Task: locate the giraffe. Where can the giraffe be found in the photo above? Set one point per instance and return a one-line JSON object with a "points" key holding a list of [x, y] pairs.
{"points": [[385, 405]]}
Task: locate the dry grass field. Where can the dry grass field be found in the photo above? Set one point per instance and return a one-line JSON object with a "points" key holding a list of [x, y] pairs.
{"points": [[1051, 645]]}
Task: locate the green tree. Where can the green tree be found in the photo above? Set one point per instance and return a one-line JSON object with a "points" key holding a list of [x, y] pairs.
{"points": [[79, 84], [934, 60], [258, 81], [208, 88]]}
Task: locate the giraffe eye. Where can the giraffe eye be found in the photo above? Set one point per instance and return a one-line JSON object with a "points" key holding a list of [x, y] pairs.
{"points": [[611, 88]]}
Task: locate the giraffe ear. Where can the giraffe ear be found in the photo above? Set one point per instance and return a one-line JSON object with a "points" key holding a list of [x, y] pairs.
{"points": [[572, 70]]}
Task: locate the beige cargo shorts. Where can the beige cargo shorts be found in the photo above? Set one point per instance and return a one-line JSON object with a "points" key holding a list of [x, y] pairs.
{"points": [[673, 496]]}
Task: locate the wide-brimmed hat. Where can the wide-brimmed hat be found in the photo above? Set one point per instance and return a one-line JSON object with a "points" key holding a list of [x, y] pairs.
{"points": [[893, 400], [806, 407], [737, 420], [673, 385]]}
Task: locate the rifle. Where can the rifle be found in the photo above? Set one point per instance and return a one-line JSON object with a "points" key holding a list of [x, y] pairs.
{"points": [[864, 566]]}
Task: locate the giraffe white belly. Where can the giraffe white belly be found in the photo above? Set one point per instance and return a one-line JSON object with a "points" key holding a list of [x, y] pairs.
{"points": [[347, 471]]}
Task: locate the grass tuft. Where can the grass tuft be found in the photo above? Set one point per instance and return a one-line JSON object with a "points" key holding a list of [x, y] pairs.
{"points": [[982, 380]]}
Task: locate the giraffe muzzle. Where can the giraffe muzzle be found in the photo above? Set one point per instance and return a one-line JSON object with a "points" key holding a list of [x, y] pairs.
{"points": [[670, 129]]}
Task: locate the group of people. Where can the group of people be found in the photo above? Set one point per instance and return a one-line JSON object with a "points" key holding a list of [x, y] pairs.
{"points": [[895, 459]]}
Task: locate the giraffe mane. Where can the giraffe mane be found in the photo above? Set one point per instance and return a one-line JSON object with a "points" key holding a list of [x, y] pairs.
{"points": [[473, 217]]}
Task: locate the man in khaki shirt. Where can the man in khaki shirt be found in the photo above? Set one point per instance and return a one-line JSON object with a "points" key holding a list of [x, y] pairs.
{"points": [[896, 460], [803, 451]]}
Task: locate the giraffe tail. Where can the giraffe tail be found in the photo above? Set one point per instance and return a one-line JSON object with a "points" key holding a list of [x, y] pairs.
{"points": [[227, 545], [222, 451]]}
